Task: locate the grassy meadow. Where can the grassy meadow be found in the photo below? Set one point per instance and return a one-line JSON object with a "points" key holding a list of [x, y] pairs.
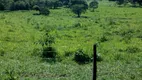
{"points": [[116, 30]]}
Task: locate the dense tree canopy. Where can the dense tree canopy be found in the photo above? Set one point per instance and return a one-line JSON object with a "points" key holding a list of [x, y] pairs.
{"points": [[79, 6], [133, 2], [93, 4], [28, 4]]}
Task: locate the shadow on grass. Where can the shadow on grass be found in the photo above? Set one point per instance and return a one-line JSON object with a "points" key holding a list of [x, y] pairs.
{"points": [[36, 14], [49, 60], [80, 17]]}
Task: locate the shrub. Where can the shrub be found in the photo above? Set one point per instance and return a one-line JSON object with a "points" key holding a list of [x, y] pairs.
{"points": [[36, 7], [44, 11], [49, 52], [81, 57], [2, 52], [49, 39]]}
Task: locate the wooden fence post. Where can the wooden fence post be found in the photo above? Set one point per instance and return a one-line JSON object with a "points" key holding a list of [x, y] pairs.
{"points": [[94, 61]]}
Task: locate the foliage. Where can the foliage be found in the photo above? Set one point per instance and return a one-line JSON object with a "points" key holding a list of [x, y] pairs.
{"points": [[78, 7], [81, 57], [133, 2], [44, 11], [56, 4], [93, 5], [65, 2], [49, 52], [2, 52], [5, 4], [20, 5], [22, 35], [36, 7]]}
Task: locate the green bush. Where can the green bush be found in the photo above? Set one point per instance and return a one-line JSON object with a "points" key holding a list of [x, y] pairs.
{"points": [[44, 11], [36, 7], [2, 52], [49, 52], [81, 57]]}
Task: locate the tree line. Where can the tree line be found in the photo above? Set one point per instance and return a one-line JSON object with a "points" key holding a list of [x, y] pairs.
{"points": [[133, 2], [28, 4], [43, 6]]}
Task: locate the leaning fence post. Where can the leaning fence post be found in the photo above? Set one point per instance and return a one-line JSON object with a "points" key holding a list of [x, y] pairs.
{"points": [[94, 61]]}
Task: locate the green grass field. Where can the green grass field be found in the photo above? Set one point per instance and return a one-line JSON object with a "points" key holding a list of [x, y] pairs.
{"points": [[117, 30]]}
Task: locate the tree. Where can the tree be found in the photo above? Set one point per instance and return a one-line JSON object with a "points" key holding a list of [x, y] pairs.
{"points": [[65, 2], [20, 5], [56, 3], [79, 6], [138, 1], [93, 5], [5, 4]]}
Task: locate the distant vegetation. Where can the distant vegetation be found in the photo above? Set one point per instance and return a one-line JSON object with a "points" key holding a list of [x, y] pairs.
{"points": [[77, 6], [125, 2]]}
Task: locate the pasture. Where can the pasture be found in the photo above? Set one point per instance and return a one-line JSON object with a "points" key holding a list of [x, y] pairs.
{"points": [[116, 30]]}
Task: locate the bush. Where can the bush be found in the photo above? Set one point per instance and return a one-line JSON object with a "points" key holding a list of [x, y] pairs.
{"points": [[81, 57], [44, 11], [2, 52], [49, 52], [36, 7]]}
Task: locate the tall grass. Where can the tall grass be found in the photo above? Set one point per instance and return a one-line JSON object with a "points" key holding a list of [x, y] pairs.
{"points": [[117, 31]]}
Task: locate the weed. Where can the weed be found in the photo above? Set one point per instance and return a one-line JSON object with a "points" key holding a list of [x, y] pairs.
{"points": [[80, 57], [49, 52], [10, 74], [132, 49], [2, 52], [102, 39]]}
